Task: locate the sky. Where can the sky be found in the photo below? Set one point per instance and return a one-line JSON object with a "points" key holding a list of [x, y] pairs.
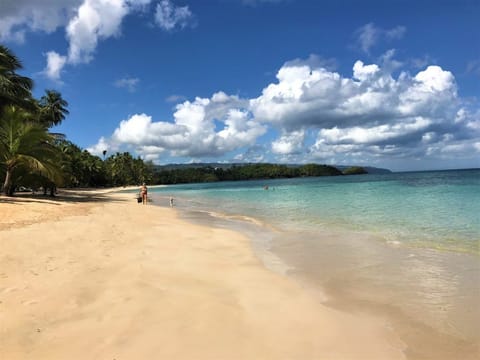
{"points": [[385, 83]]}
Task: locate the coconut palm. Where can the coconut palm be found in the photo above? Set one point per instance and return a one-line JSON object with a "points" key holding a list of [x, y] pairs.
{"points": [[52, 108], [14, 88], [25, 147]]}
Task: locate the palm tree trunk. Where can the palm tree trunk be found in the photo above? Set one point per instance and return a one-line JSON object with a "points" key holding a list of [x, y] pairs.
{"points": [[8, 183]]}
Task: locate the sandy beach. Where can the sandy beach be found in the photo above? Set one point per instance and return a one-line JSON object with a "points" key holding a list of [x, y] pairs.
{"points": [[94, 275]]}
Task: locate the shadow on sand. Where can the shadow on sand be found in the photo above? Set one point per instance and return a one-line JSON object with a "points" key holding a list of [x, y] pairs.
{"points": [[63, 196]]}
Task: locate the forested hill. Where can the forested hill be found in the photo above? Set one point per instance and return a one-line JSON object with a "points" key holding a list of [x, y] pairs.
{"points": [[211, 172]]}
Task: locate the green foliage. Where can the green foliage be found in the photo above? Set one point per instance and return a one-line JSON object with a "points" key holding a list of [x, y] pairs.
{"points": [[26, 148], [122, 169], [355, 170], [52, 108], [14, 88], [81, 168], [318, 170], [243, 172]]}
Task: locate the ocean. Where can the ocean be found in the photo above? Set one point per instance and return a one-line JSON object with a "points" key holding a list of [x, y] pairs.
{"points": [[405, 246]]}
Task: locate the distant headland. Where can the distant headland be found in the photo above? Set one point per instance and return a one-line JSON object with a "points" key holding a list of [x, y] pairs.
{"points": [[213, 172]]}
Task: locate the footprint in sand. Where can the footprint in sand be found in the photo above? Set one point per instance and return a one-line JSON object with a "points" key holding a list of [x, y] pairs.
{"points": [[30, 302], [9, 290]]}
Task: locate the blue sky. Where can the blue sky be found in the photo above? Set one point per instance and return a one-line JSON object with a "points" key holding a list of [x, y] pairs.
{"points": [[393, 84]]}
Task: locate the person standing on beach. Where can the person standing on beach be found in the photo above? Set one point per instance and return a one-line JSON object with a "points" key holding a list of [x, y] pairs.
{"points": [[143, 193], [171, 201]]}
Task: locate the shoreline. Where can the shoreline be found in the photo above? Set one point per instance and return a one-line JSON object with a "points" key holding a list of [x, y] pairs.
{"points": [[436, 331], [98, 276]]}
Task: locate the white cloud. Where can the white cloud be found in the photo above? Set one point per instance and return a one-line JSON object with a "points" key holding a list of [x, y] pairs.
{"points": [[370, 113], [19, 16], [129, 83], [368, 35], [374, 134], [203, 127], [320, 115], [55, 64], [289, 143], [239, 130], [168, 16], [101, 146], [95, 19], [86, 23], [317, 97]]}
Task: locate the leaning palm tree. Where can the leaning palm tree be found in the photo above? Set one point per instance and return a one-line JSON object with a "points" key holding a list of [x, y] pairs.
{"points": [[25, 146], [14, 88]]}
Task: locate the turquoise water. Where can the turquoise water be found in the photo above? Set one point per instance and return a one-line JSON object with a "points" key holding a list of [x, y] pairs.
{"points": [[437, 209]]}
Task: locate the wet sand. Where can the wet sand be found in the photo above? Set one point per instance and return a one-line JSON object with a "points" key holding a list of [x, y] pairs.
{"points": [[430, 298]]}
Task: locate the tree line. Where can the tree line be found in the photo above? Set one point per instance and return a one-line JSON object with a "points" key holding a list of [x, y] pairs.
{"points": [[241, 172]]}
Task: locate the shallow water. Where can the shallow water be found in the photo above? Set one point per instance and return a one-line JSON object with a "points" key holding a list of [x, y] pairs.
{"points": [[404, 246], [437, 210]]}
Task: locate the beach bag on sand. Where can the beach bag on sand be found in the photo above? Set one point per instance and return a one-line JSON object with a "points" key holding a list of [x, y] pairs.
{"points": [[139, 199]]}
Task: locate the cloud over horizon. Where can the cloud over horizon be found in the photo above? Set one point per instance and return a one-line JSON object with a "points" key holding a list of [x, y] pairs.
{"points": [[203, 127], [320, 116]]}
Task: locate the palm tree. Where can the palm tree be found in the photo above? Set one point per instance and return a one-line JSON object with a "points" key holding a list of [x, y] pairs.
{"points": [[14, 89], [52, 108], [26, 147]]}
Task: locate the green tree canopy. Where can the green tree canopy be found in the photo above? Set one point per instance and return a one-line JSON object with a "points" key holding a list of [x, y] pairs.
{"points": [[14, 88], [26, 147]]}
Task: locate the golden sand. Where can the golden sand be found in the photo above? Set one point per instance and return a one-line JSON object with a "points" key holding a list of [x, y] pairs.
{"points": [[94, 275]]}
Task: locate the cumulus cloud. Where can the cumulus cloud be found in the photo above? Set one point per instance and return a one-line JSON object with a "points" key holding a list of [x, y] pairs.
{"points": [[168, 16], [320, 98], [102, 145], [369, 35], [320, 115], [289, 143], [203, 127], [370, 112], [95, 19], [55, 64]]}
